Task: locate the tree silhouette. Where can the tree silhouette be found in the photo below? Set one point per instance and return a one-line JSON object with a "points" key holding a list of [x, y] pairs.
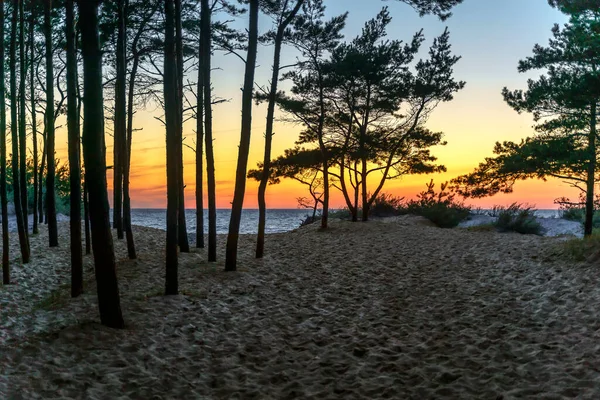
{"points": [[22, 229], [50, 139], [74, 150], [171, 119], [244, 149], [3, 193], [95, 168], [284, 17]]}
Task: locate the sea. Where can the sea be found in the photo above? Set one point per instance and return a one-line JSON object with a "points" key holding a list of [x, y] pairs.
{"points": [[277, 221]]}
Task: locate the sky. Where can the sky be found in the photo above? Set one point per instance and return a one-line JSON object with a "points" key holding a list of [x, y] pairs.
{"points": [[491, 37]]}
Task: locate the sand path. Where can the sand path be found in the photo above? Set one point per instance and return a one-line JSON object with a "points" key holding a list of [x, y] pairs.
{"points": [[376, 310]]}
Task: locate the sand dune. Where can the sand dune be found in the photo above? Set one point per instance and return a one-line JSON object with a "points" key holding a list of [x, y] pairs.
{"points": [[386, 309]]}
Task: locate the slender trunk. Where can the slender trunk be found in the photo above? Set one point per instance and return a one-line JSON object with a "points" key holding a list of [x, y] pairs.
{"points": [[364, 194], [41, 200], [50, 175], [3, 193], [184, 244], [205, 37], [86, 217], [95, 162], [36, 182], [170, 97], [74, 150], [262, 187], [324, 155], [244, 149], [121, 120], [356, 192], [23, 239], [22, 119], [589, 200], [200, 151]]}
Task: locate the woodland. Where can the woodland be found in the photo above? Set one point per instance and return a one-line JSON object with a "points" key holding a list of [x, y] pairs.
{"points": [[362, 104]]}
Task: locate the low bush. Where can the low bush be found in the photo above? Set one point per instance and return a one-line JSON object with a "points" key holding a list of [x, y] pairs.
{"points": [[517, 218], [440, 208], [387, 205], [573, 214]]}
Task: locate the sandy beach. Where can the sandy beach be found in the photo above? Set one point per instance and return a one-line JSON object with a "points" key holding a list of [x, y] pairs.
{"points": [[387, 309]]}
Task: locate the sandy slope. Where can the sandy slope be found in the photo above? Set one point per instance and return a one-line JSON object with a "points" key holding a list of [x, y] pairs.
{"points": [[388, 309]]}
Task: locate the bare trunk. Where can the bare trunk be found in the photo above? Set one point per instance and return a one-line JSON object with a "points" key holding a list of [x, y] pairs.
{"points": [[262, 187], [74, 151], [3, 193], [41, 200], [22, 119], [23, 239], [94, 154], [170, 97], [589, 200], [244, 149], [200, 151], [205, 37], [86, 217], [184, 244], [36, 181], [50, 175]]}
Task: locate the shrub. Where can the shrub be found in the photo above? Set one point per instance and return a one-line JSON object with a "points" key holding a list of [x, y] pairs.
{"points": [[309, 219], [342, 213], [573, 214], [517, 218], [386, 205], [440, 208]]}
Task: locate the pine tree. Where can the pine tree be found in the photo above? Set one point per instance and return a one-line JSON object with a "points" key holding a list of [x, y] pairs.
{"points": [[3, 193], [170, 99], [244, 149], [284, 18], [95, 167], [74, 150], [22, 229], [50, 139], [564, 103]]}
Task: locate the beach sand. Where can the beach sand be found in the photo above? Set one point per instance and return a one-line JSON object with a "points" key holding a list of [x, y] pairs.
{"points": [[387, 309]]}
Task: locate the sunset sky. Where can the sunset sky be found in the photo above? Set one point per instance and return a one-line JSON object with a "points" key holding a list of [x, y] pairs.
{"points": [[491, 36]]}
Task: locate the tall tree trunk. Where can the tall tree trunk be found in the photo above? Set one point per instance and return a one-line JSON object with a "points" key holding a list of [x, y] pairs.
{"points": [[3, 193], [22, 119], [120, 125], [86, 218], [41, 200], [205, 37], [23, 239], [36, 182], [244, 149], [262, 187], [184, 244], [200, 151], [74, 150], [171, 108], [50, 175], [122, 107], [589, 200], [364, 194], [324, 152], [95, 163]]}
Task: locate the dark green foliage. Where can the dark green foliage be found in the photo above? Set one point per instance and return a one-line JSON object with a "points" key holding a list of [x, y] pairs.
{"points": [[441, 208], [517, 218], [563, 103], [573, 214], [387, 205]]}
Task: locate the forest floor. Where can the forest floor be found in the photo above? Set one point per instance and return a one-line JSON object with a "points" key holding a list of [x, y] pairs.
{"points": [[385, 309]]}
